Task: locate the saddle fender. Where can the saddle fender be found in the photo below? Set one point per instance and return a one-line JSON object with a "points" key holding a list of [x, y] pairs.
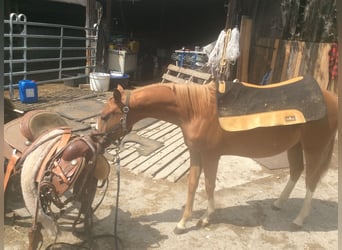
{"points": [[79, 148], [75, 149], [65, 173]]}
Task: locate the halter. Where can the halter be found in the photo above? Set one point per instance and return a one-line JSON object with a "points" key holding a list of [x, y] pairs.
{"points": [[125, 110], [122, 125]]}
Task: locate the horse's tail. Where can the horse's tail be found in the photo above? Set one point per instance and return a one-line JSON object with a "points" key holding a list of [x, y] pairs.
{"points": [[329, 152], [331, 126], [323, 165], [331, 101], [29, 171]]}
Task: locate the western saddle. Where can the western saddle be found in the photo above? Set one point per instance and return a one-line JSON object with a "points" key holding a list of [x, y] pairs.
{"points": [[73, 162]]}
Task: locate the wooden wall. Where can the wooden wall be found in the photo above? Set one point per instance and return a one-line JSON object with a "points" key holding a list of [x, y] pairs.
{"points": [[287, 59]]}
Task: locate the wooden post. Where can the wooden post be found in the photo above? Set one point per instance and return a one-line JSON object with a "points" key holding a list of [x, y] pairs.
{"points": [[109, 15], [245, 44], [274, 58], [286, 61], [300, 47], [320, 71]]}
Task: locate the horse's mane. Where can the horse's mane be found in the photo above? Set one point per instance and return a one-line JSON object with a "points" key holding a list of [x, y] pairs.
{"points": [[195, 98], [191, 98]]}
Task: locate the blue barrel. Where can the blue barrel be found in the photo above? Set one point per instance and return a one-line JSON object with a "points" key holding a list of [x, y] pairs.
{"points": [[28, 91]]}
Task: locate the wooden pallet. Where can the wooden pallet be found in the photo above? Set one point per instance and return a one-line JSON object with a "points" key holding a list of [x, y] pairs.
{"points": [[170, 162], [184, 75]]}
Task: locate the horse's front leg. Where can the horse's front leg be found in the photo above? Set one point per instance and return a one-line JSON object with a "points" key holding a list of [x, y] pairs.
{"points": [[210, 164], [193, 178]]}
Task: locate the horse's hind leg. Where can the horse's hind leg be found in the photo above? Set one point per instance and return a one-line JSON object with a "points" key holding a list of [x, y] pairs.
{"points": [[316, 165], [296, 161]]}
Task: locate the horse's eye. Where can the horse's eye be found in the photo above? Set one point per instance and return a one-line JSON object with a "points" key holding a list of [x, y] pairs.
{"points": [[104, 117]]}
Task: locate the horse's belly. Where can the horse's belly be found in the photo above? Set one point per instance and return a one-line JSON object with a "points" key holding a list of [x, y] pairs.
{"points": [[261, 142]]}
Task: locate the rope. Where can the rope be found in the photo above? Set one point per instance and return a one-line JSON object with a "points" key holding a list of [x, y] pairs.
{"points": [[223, 62], [117, 161]]}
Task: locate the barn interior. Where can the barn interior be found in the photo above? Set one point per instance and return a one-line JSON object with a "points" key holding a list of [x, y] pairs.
{"points": [[162, 26]]}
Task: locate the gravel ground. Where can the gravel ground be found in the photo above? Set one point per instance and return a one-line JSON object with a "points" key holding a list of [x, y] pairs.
{"points": [[149, 210]]}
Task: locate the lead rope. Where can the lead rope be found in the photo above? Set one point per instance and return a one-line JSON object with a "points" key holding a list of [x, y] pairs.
{"points": [[116, 160]]}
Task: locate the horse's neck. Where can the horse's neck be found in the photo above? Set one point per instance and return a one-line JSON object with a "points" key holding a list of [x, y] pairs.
{"points": [[155, 101]]}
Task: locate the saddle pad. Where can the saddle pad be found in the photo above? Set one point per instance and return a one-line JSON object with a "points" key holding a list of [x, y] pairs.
{"points": [[245, 106]]}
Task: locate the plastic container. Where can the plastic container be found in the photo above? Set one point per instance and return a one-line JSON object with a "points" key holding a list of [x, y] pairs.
{"points": [[116, 74], [99, 81], [118, 78], [28, 91]]}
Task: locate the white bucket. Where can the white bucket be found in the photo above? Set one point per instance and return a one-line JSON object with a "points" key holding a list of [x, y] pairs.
{"points": [[99, 81]]}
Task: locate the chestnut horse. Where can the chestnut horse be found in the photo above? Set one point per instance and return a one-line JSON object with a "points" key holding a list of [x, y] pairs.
{"points": [[194, 109]]}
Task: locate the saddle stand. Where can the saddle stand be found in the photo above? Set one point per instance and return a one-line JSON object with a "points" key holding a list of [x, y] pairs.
{"points": [[72, 162]]}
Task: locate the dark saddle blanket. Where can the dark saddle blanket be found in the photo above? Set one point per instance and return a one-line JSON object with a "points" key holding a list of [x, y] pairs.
{"points": [[243, 106]]}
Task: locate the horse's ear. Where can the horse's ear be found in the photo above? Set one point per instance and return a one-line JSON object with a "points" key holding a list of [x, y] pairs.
{"points": [[117, 95], [120, 88]]}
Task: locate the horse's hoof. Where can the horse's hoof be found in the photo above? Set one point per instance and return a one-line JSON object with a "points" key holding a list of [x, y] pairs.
{"points": [[275, 207], [199, 223], [178, 230], [202, 223], [295, 226]]}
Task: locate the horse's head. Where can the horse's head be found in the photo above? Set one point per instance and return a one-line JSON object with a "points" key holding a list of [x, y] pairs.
{"points": [[113, 119]]}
